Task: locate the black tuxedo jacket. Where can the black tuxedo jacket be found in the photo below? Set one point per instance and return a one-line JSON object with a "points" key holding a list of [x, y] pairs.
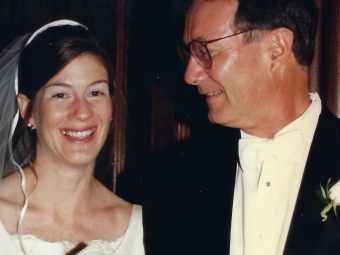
{"points": [[190, 190]]}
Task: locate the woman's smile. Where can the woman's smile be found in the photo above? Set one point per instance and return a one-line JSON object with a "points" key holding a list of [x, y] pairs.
{"points": [[79, 134]]}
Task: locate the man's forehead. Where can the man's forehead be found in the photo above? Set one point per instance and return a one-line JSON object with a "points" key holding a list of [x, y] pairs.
{"points": [[209, 16], [205, 10], [213, 2]]}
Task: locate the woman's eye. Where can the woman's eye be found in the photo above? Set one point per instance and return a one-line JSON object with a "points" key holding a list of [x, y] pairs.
{"points": [[96, 93], [60, 95]]}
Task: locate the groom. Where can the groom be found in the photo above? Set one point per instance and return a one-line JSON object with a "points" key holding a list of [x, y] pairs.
{"points": [[256, 195]]}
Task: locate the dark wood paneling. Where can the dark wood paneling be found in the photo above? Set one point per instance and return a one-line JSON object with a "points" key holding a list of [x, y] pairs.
{"points": [[121, 66], [329, 67]]}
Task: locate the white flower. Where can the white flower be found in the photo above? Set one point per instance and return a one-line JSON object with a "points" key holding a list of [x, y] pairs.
{"points": [[335, 192], [330, 197]]}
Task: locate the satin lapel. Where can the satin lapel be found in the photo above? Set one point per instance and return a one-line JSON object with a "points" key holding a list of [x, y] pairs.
{"points": [[308, 234], [229, 184]]}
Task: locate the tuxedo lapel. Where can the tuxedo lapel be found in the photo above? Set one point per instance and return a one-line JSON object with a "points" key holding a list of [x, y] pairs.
{"points": [[308, 234]]}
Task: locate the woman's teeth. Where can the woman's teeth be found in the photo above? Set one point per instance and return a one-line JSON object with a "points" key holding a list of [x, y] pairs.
{"points": [[78, 135]]}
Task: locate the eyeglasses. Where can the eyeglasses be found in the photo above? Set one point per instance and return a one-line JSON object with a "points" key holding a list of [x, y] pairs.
{"points": [[199, 50]]}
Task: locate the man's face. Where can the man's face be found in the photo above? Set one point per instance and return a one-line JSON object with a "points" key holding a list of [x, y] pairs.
{"points": [[236, 87]]}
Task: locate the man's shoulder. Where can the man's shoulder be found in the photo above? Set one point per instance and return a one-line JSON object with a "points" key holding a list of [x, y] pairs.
{"points": [[307, 232], [327, 120], [326, 140]]}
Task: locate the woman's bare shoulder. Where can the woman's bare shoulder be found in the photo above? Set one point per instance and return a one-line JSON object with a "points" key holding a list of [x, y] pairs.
{"points": [[112, 202], [113, 210], [10, 188], [11, 201]]}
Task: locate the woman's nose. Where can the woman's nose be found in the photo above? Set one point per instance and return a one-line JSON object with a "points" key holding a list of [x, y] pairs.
{"points": [[80, 109]]}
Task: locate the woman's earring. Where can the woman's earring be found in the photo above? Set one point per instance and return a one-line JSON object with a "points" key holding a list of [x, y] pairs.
{"points": [[30, 126]]}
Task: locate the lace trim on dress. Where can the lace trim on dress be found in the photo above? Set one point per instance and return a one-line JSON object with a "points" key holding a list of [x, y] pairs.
{"points": [[36, 246]]}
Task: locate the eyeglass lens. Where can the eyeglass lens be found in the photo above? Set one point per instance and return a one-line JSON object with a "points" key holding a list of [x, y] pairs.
{"points": [[200, 52]]}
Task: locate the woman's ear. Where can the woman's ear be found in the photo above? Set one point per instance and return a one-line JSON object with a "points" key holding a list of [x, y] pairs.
{"points": [[23, 103]]}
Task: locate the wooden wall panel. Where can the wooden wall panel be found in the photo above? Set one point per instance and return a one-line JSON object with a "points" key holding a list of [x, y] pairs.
{"points": [[330, 55], [121, 66], [325, 71]]}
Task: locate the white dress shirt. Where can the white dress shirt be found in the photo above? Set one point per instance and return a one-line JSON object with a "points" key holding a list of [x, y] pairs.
{"points": [[267, 185]]}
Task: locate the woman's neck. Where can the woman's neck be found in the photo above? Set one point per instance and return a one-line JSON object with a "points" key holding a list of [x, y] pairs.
{"points": [[60, 187]]}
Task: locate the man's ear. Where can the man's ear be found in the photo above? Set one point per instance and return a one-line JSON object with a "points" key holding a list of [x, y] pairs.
{"points": [[281, 46], [23, 103]]}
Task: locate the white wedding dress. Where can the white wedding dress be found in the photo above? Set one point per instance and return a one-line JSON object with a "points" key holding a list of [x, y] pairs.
{"points": [[129, 244]]}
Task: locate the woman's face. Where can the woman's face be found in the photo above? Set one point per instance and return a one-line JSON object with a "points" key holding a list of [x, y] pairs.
{"points": [[72, 113]]}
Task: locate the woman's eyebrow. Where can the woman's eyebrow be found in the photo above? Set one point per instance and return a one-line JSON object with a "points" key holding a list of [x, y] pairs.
{"points": [[61, 84], [99, 81], [58, 84]]}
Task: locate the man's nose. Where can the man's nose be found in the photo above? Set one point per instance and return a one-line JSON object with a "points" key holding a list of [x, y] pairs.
{"points": [[81, 109], [194, 72]]}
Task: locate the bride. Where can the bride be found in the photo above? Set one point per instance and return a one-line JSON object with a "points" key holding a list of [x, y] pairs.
{"points": [[50, 201]]}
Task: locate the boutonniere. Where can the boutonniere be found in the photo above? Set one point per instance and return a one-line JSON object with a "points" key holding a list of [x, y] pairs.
{"points": [[330, 197]]}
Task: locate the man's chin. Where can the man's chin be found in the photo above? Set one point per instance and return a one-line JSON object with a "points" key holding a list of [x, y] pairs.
{"points": [[215, 119], [220, 119]]}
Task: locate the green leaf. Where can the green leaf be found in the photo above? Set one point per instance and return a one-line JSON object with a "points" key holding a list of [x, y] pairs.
{"points": [[323, 192], [329, 180], [320, 198], [327, 188]]}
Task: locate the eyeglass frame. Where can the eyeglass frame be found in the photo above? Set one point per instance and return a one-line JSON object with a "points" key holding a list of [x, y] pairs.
{"points": [[187, 47]]}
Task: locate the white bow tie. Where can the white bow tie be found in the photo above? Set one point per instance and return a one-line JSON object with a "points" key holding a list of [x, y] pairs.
{"points": [[287, 148]]}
